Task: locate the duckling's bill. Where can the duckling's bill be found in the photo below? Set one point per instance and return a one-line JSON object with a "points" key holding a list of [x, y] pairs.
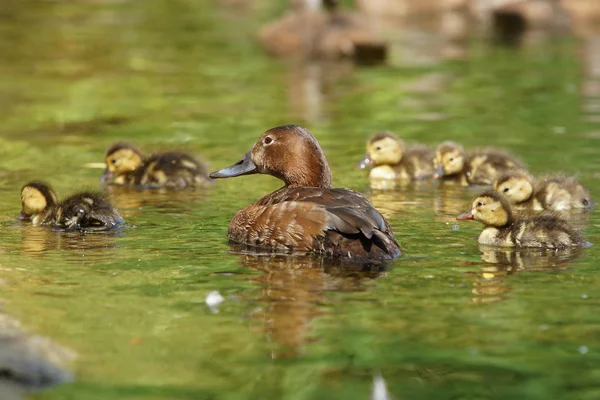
{"points": [[243, 167], [466, 216], [364, 163]]}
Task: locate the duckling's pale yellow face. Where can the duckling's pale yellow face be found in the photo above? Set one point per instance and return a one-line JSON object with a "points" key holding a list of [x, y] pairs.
{"points": [[516, 189], [450, 162], [386, 151], [33, 201], [489, 211], [123, 160]]}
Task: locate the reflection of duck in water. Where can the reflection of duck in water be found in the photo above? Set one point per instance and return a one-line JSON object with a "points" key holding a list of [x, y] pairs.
{"points": [[127, 166], [483, 167], [292, 288], [307, 33], [392, 160], [504, 229], [29, 362], [552, 192], [306, 215], [81, 211]]}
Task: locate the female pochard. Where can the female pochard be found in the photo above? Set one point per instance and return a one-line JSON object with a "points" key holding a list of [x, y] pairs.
{"points": [[306, 214]]}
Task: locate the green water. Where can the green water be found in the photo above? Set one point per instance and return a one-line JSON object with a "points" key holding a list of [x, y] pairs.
{"points": [[443, 322]]}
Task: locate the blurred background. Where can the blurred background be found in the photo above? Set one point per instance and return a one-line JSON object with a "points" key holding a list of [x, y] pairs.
{"points": [[448, 320]]}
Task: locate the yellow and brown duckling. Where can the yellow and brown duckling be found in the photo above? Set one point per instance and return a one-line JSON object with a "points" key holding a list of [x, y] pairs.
{"points": [[452, 163], [306, 215], [81, 211], [391, 159], [504, 229], [556, 192], [127, 166]]}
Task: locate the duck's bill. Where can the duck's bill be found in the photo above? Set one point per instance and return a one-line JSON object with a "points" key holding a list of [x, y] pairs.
{"points": [[364, 163], [243, 167], [438, 173], [465, 216], [24, 216]]}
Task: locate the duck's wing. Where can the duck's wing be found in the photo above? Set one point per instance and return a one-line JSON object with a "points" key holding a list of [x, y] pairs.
{"points": [[341, 222]]}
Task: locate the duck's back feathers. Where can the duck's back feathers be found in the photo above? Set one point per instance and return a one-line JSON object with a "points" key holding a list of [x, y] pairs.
{"points": [[485, 166], [333, 222], [561, 192], [86, 210]]}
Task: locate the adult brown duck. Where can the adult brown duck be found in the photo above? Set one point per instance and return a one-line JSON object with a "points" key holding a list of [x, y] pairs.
{"points": [[306, 215]]}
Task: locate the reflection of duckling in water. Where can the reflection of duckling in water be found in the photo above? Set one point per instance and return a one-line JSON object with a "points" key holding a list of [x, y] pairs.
{"points": [[391, 159], [306, 32], [85, 210], [529, 259], [477, 168], [552, 192], [503, 229], [126, 165]]}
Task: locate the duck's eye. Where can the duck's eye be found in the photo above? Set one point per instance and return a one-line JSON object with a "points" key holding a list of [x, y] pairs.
{"points": [[113, 161], [378, 148], [505, 190], [451, 158], [268, 140], [479, 204]]}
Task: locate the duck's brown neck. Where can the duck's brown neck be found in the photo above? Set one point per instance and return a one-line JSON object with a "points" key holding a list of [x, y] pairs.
{"points": [[309, 175]]}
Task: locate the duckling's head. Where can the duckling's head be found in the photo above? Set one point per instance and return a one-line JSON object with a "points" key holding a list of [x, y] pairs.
{"points": [[383, 148], [449, 159], [290, 153], [516, 186], [120, 159], [489, 208], [36, 198]]}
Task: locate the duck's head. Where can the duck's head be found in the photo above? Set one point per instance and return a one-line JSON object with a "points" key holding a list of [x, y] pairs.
{"points": [[449, 159], [516, 186], [36, 198], [489, 208], [383, 148], [120, 159], [290, 153]]}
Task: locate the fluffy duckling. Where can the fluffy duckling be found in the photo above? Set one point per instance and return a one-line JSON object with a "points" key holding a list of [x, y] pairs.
{"points": [[503, 229], [391, 159], [306, 215], [452, 163], [307, 32], [127, 166], [81, 211], [551, 192]]}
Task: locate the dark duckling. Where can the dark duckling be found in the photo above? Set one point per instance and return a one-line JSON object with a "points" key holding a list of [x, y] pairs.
{"points": [[306, 215], [504, 229], [81, 211], [127, 166], [483, 167], [391, 159], [556, 192]]}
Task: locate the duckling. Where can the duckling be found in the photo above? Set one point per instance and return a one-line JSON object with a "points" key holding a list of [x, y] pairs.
{"points": [[477, 168], [503, 229], [551, 192], [307, 32], [306, 215], [391, 159], [127, 166], [80, 211]]}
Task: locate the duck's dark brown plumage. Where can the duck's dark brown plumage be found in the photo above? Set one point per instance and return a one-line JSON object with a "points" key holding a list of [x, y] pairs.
{"points": [[307, 215]]}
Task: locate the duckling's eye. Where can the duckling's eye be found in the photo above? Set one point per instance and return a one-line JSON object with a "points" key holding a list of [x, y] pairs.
{"points": [[378, 148], [451, 158], [268, 140], [113, 161], [505, 190], [479, 204]]}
